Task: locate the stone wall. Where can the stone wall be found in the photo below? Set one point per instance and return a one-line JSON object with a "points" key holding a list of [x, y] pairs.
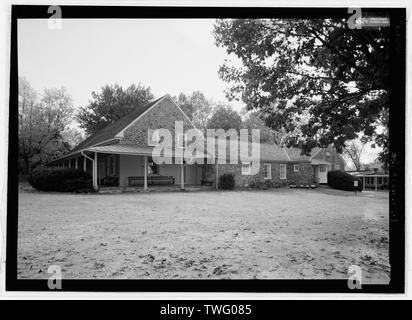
{"points": [[244, 181], [305, 175], [161, 116]]}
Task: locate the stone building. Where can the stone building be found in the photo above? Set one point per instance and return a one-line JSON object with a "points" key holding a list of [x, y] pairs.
{"points": [[122, 155]]}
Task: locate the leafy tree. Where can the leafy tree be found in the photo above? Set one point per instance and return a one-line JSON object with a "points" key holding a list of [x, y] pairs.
{"points": [[337, 78], [72, 136], [197, 107], [41, 124], [111, 104], [224, 117], [253, 120]]}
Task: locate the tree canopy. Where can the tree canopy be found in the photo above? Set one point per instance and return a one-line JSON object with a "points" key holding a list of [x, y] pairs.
{"points": [[224, 117], [253, 120], [111, 104], [316, 78], [42, 121], [196, 106]]}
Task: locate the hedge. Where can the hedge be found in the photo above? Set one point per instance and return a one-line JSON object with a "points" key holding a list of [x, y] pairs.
{"points": [[343, 181], [60, 180], [264, 185], [227, 181]]}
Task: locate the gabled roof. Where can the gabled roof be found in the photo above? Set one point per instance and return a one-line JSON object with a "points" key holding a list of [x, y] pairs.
{"points": [[272, 152], [295, 154], [320, 161], [268, 152], [109, 132]]}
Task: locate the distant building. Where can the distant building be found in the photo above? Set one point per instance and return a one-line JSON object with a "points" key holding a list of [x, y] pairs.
{"points": [[373, 176]]}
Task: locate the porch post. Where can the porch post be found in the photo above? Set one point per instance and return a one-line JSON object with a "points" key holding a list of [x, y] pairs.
{"points": [[217, 176], [95, 186], [84, 163], [145, 173], [70, 163], [77, 163], [363, 183], [182, 177], [376, 183]]}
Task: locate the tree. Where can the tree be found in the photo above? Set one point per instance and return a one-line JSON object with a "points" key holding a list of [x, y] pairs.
{"points": [[253, 120], [41, 124], [224, 117], [111, 104], [354, 151], [339, 77], [73, 136], [27, 106], [197, 107]]}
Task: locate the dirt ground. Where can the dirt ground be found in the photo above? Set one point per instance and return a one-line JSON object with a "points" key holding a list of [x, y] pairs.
{"points": [[272, 234]]}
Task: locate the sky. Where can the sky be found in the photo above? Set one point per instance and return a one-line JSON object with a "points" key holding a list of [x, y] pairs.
{"points": [[169, 55]]}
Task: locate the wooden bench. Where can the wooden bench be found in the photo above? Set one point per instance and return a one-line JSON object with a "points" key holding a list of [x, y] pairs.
{"points": [[151, 180], [207, 182]]}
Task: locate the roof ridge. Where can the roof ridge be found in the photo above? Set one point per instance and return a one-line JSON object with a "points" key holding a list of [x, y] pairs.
{"points": [[138, 110], [287, 155]]}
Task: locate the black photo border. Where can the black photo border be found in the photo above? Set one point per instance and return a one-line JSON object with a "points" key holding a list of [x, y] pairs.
{"points": [[397, 149]]}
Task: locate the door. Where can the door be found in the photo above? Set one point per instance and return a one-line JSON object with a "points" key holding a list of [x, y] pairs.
{"points": [[323, 174]]}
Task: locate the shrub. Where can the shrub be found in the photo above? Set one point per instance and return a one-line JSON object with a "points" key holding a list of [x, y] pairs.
{"points": [[343, 181], [60, 180], [264, 185], [227, 181]]}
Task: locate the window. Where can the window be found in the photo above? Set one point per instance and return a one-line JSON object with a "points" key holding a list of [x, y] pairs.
{"points": [[282, 171], [337, 166], [295, 168], [110, 165], [154, 138], [182, 140], [245, 168], [267, 171], [322, 169]]}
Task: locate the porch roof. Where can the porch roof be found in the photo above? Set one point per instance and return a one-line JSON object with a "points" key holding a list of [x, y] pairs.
{"points": [[127, 149], [319, 161], [121, 149]]}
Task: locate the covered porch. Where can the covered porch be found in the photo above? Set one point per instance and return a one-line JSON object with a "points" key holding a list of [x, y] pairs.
{"points": [[131, 168], [374, 181]]}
